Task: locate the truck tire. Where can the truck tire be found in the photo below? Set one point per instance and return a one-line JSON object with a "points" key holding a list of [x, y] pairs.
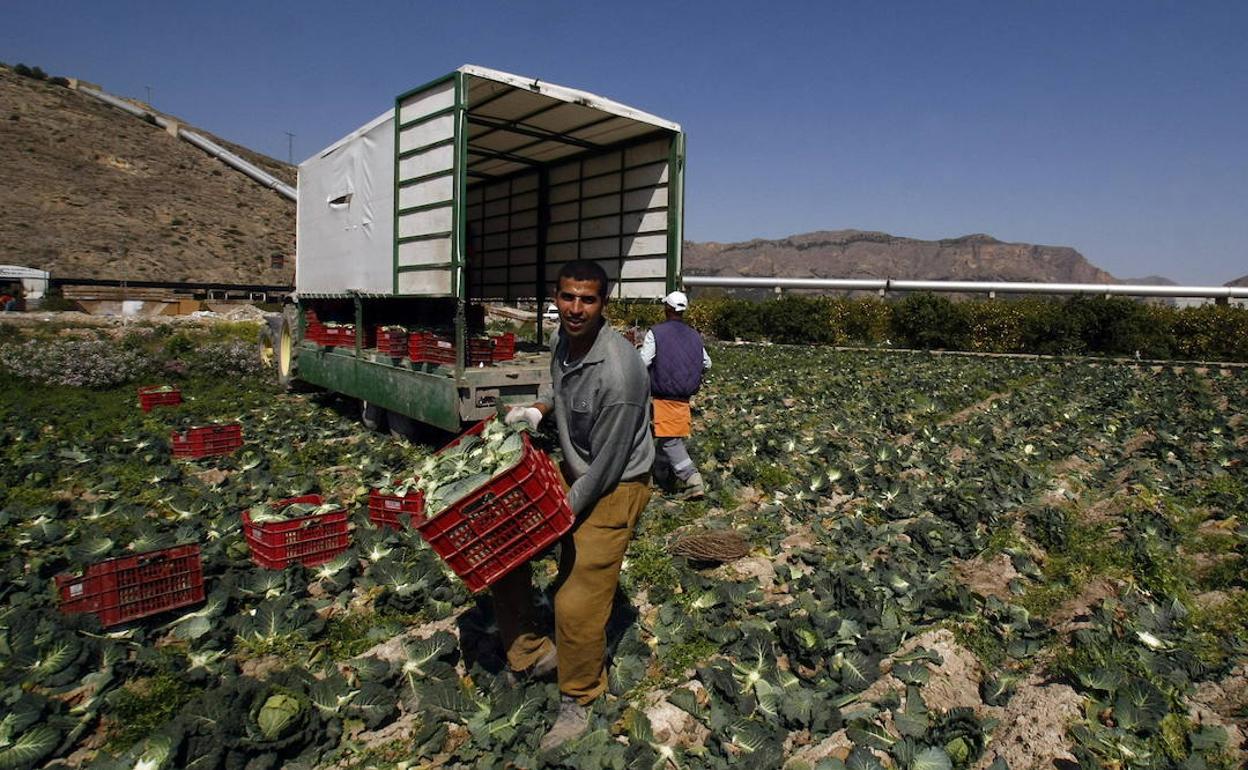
{"points": [[401, 426], [287, 349], [270, 334], [373, 416]]}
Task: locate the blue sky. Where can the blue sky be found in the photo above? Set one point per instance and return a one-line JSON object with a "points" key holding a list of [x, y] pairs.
{"points": [[1118, 128]]}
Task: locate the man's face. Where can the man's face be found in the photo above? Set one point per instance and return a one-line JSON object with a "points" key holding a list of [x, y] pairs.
{"points": [[580, 307]]}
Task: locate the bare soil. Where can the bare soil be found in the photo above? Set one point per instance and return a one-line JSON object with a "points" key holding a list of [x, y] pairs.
{"points": [[93, 192]]}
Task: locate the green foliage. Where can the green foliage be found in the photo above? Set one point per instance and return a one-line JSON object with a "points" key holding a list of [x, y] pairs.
{"points": [[863, 498], [30, 72], [143, 705], [179, 345], [1077, 326], [928, 321]]}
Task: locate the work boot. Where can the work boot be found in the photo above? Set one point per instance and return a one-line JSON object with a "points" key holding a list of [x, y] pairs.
{"points": [[542, 669], [572, 722], [693, 488]]}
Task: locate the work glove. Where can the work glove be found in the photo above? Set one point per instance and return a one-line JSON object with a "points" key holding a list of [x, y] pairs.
{"points": [[530, 414]]}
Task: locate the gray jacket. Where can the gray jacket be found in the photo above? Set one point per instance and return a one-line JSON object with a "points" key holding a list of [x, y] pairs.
{"points": [[602, 410]]}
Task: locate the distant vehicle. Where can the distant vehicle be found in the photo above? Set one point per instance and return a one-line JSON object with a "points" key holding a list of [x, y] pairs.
{"points": [[552, 313], [480, 189]]}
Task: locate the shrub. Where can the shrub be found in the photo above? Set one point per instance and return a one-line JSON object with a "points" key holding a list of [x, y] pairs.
{"points": [[1075, 326], [231, 357], [739, 319], [868, 321], [179, 345], [927, 321], [993, 327], [73, 362], [31, 72], [796, 319]]}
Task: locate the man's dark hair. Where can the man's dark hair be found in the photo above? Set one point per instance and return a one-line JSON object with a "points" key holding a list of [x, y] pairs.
{"points": [[585, 270]]}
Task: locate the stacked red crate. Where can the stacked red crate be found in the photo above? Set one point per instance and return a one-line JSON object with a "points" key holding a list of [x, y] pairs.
{"points": [[391, 341], [504, 347], [339, 336], [313, 329], [429, 348], [480, 351]]}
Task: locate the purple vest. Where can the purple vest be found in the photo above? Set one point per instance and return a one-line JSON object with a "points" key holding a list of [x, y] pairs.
{"points": [[677, 368]]}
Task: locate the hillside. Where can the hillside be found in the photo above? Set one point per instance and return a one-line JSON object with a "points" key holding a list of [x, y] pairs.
{"points": [[861, 254], [91, 191]]}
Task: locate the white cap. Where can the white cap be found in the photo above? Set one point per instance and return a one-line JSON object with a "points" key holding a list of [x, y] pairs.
{"points": [[677, 301]]}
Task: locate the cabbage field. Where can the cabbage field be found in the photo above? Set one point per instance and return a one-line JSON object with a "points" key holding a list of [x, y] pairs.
{"points": [[953, 562]]}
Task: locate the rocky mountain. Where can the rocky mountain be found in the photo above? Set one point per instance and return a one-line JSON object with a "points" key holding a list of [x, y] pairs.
{"points": [[863, 254], [91, 191], [1151, 280], [1241, 281]]}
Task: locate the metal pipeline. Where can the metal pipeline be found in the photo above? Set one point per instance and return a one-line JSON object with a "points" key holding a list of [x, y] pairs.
{"points": [[200, 141], [1003, 287], [250, 169]]}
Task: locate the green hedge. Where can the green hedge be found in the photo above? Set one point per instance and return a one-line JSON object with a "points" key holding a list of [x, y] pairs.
{"points": [[1112, 326]]}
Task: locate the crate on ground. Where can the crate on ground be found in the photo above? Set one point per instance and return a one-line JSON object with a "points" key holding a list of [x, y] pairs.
{"points": [[504, 347], [309, 540], [504, 523], [391, 341], [131, 587], [429, 348], [152, 396], [207, 440], [395, 511]]}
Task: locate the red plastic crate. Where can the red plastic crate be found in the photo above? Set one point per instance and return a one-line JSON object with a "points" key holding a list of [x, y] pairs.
{"points": [[429, 348], [206, 440], [131, 587], [480, 351], [504, 347], [512, 518], [313, 329], [391, 342], [338, 336], [309, 540], [394, 511], [150, 397]]}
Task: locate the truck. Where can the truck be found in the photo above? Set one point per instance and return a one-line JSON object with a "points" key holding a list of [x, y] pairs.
{"points": [[473, 190]]}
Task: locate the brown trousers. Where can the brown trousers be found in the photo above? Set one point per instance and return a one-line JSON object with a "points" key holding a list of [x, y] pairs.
{"points": [[589, 572]]}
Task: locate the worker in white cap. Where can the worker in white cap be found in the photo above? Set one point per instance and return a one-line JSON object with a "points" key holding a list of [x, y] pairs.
{"points": [[676, 358]]}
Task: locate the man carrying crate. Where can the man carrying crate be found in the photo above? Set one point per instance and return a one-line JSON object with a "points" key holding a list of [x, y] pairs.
{"points": [[600, 398]]}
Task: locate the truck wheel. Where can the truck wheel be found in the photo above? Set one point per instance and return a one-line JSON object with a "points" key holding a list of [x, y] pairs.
{"points": [[270, 334], [401, 426], [287, 351], [372, 416]]}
